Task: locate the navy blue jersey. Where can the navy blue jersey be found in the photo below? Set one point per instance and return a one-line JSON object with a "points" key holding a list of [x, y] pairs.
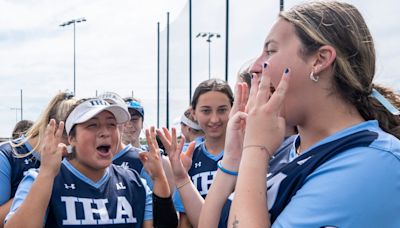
{"points": [[284, 183], [278, 160], [204, 167], [13, 172], [129, 158], [117, 200]]}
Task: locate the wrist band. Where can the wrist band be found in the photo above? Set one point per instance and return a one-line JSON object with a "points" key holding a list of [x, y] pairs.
{"points": [[233, 173], [180, 186], [257, 146]]}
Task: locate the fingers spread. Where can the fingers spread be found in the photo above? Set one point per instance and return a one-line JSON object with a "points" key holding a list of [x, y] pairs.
{"points": [[190, 150], [276, 101], [264, 90]]}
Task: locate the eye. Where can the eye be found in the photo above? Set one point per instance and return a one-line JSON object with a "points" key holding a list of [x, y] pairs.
{"points": [[270, 52], [112, 124], [92, 125], [222, 110], [206, 111]]}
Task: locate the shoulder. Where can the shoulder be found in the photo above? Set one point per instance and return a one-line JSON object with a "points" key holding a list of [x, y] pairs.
{"points": [[6, 149], [128, 174], [358, 187]]}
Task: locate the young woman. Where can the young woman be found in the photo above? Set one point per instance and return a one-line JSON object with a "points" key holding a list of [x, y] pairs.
{"points": [[212, 102], [344, 169], [86, 189], [18, 156]]}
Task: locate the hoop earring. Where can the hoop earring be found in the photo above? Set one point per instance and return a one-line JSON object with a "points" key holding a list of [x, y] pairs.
{"points": [[313, 78]]}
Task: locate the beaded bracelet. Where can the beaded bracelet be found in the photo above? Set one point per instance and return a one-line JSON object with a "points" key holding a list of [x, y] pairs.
{"points": [[180, 186], [233, 173]]}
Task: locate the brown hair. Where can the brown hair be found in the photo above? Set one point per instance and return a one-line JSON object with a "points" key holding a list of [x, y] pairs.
{"points": [[341, 26], [217, 85], [21, 128]]}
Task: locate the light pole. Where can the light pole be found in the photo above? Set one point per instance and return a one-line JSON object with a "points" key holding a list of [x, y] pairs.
{"points": [[74, 21], [16, 113], [208, 36]]}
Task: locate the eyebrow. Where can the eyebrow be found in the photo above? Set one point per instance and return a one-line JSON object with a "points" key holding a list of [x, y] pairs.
{"points": [[269, 42]]}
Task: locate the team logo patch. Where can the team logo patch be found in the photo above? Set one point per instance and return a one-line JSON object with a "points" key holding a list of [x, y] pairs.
{"points": [[72, 186], [197, 165]]}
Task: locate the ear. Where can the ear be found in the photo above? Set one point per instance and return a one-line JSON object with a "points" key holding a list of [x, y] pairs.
{"points": [[326, 55], [193, 113], [72, 140]]}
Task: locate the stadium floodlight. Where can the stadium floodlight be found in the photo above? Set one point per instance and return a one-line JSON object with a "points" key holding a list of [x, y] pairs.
{"points": [[208, 36], [74, 21]]}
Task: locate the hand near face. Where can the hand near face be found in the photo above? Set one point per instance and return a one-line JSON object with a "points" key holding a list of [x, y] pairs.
{"points": [[52, 150], [265, 126], [235, 128], [151, 160], [180, 161]]}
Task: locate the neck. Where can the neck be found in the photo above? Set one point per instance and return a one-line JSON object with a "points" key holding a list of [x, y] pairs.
{"points": [[33, 142], [214, 145], [135, 143], [327, 122], [91, 173], [120, 147]]}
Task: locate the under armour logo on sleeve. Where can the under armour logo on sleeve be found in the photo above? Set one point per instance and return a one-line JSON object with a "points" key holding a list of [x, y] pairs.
{"points": [[72, 186]]}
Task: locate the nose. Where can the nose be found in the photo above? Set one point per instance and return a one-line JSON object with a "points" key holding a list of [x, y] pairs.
{"points": [[256, 67], [214, 117], [104, 132]]}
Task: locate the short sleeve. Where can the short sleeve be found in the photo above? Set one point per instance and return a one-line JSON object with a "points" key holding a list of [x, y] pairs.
{"points": [[5, 179], [148, 210]]}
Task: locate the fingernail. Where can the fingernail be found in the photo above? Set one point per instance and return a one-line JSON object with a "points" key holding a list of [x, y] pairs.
{"points": [[286, 71], [265, 65]]}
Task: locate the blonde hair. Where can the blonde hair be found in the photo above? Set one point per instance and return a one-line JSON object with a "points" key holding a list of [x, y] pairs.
{"points": [[341, 26], [57, 109]]}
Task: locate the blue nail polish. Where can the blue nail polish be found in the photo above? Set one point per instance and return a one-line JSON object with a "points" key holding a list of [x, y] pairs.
{"points": [[286, 71], [265, 65]]}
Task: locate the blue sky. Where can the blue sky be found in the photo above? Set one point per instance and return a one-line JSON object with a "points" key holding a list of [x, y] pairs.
{"points": [[116, 48]]}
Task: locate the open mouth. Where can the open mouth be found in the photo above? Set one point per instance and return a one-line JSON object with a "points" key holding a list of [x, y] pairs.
{"points": [[104, 148]]}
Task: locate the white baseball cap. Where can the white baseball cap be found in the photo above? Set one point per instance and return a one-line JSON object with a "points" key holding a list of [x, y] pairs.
{"points": [[90, 108]]}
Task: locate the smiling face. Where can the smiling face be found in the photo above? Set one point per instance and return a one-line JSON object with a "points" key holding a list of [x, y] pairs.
{"points": [[95, 143], [212, 113], [132, 129]]}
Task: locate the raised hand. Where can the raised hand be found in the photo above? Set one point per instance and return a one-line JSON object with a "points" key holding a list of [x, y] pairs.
{"points": [[151, 160], [255, 82], [180, 161], [52, 150], [265, 127], [235, 129], [241, 97]]}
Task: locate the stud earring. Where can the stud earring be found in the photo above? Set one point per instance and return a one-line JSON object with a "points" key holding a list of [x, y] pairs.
{"points": [[313, 77]]}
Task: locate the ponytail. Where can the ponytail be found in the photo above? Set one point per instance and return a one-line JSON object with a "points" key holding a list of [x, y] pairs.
{"points": [[372, 109]]}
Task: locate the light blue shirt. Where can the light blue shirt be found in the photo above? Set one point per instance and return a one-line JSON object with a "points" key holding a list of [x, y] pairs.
{"points": [[356, 188]]}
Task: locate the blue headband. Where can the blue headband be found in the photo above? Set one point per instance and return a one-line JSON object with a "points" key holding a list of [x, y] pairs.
{"points": [[375, 94], [136, 106]]}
